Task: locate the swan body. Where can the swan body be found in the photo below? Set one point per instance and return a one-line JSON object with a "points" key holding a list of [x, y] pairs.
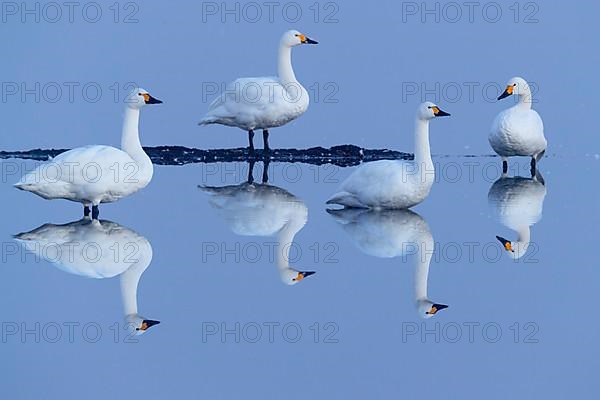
{"points": [[99, 250], [394, 233], [518, 203], [394, 184], [263, 102], [236, 107], [252, 209], [97, 174], [518, 130]]}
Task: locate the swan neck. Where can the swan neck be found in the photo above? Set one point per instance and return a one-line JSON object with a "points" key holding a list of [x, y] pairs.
{"points": [[129, 285], [425, 253], [285, 241], [524, 234], [422, 149], [130, 140], [285, 69], [525, 99], [130, 137]]}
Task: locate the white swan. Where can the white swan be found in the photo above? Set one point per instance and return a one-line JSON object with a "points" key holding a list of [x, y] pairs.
{"points": [[518, 203], [263, 102], [97, 174], [394, 233], [96, 249], [519, 130], [394, 184], [252, 209]]}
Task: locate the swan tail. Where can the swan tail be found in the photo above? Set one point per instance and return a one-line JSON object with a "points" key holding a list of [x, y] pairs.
{"points": [[216, 190], [28, 182], [209, 189], [208, 120], [35, 183], [346, 199], [345, 216]]}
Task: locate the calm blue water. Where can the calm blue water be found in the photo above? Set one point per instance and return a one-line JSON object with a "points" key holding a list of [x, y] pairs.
{"points": [[230, 326], [351, 329]]}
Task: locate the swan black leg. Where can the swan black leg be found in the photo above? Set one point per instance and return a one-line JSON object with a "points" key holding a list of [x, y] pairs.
{"points": [[250, 172], [265, 177], [251, 141], [86, 210], [266, 140], [533, 166], [504, 167], [95, 212]]}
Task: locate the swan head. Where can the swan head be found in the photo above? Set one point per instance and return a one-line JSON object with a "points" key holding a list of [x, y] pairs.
{"points": [[517, 86], [428, 308], [138, 324], [291, 277], [294, 38], [139, 98], [515, 250], [429, 110]]}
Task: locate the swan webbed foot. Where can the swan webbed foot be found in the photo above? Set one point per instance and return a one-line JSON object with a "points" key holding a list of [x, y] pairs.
{"points": [[95, 212], [86, 210], [266, 140]]}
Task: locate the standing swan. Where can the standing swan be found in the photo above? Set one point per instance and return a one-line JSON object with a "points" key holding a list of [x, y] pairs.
{"points": [[519, 130], [394, 233], [99, 250], [97, 174], [393, 184], [263, 102]]}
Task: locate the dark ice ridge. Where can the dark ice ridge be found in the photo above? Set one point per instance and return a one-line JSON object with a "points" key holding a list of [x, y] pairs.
{"points": [[343, 156]]}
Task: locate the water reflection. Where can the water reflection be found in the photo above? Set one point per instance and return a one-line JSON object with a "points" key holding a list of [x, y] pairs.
{"points": [[394, 233], [96, 249], [518, 203], [260, 209]]}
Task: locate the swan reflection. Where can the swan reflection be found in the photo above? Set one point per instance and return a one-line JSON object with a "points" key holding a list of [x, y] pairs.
{"points": [[260, 209], [96, 249], [394, 233], [518, 203]]}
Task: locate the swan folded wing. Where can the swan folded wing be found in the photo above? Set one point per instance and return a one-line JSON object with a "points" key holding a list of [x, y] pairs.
{"points": [[377, 182], [103, 167], [252, 103]]}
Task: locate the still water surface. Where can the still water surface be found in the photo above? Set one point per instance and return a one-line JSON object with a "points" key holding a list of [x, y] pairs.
{"points": [[226, 267]]}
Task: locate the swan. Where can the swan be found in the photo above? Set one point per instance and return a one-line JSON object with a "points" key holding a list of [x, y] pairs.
{"points": [[518, 130], [263, 102], [97, 174], [518, 203], [252, 209], [96, 249], [394, 184], [394, 233]]}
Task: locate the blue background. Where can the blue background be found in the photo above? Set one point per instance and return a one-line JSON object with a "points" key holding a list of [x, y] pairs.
{"points": [[370, 55]]}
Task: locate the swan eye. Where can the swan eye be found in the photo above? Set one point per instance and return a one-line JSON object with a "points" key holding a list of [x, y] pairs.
{"points": [[139, 94]]}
